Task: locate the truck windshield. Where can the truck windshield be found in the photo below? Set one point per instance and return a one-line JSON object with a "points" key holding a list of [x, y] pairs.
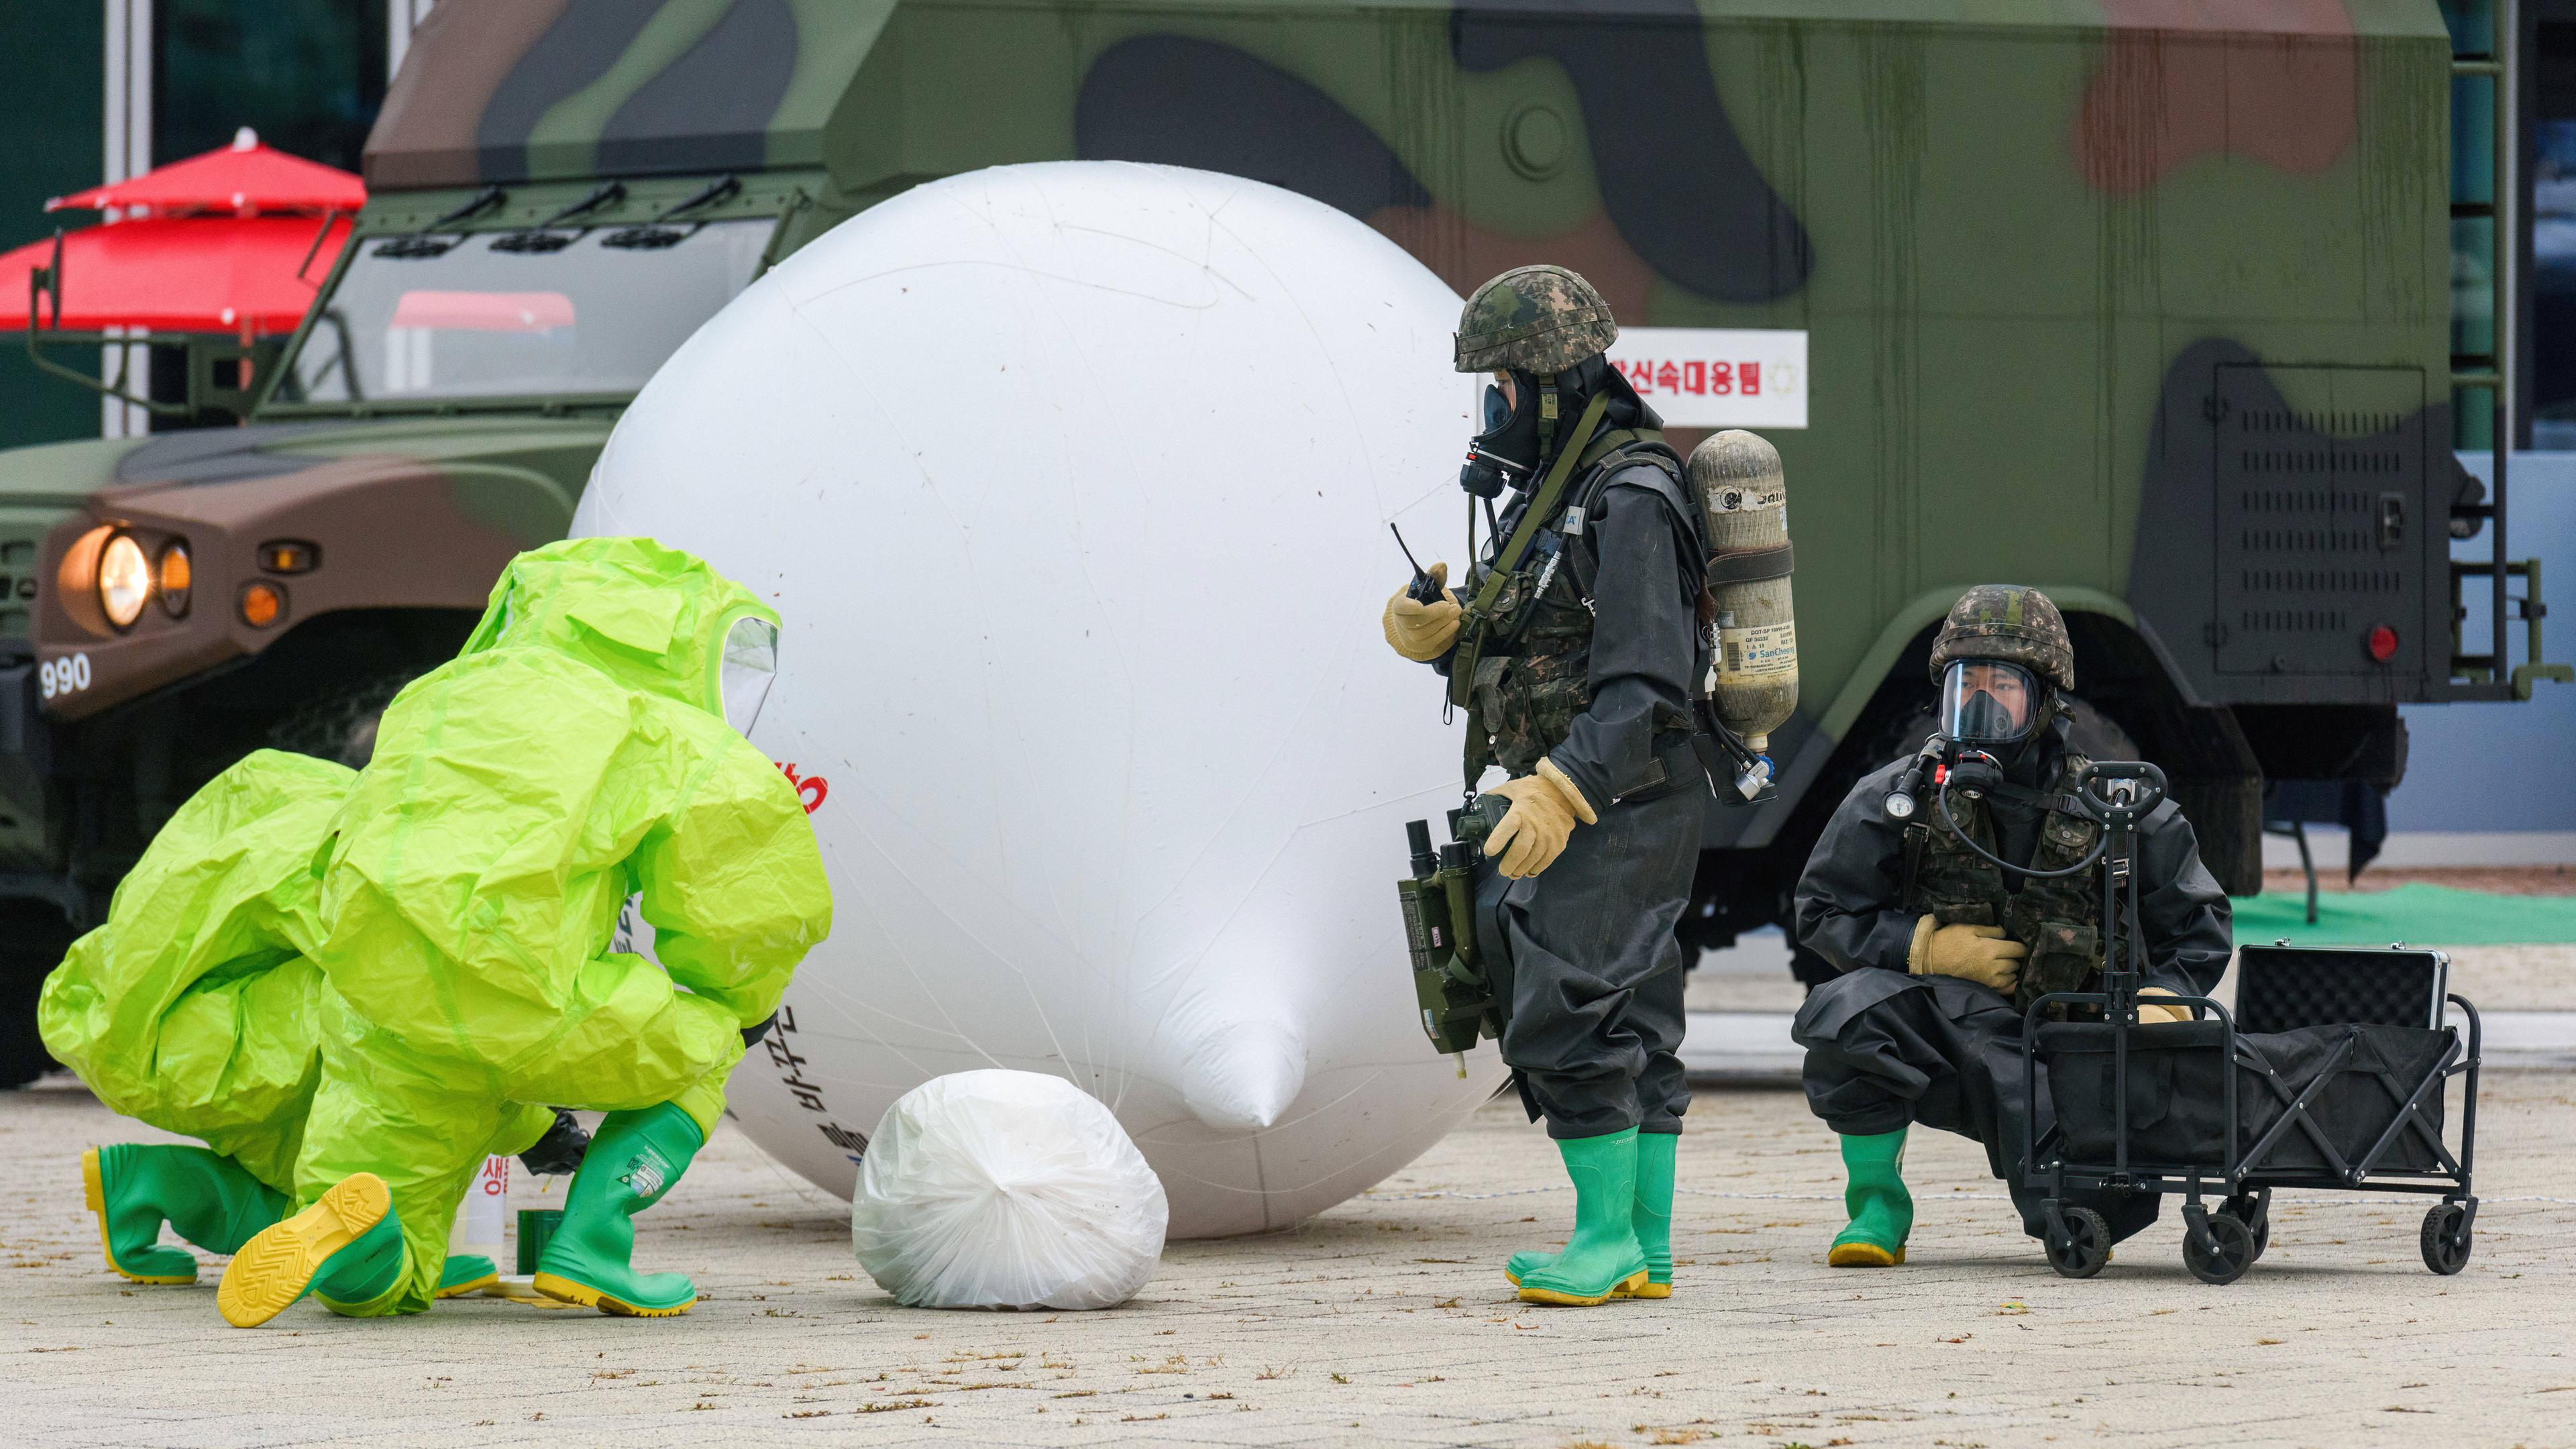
{"points": [[494, 317]]}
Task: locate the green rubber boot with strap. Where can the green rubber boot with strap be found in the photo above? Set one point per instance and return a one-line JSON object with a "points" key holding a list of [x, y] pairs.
{"points": [[347, 1249], [1652, 1220], [208, 1199], [634, 1159], [1602, 1259], [1882, 1211]]}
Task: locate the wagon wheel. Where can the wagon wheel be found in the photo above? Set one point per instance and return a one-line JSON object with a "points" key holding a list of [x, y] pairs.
{"points": [[2446, 1238], [2254, 1210], [2230, 1252], [2085, 1245]]}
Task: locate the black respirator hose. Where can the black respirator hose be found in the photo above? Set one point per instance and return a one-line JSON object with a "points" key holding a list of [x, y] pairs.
{"points": [[2092, 858]]}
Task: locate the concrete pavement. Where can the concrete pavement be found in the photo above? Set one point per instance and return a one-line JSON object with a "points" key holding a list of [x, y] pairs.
{"points": [[1385, 1321]]}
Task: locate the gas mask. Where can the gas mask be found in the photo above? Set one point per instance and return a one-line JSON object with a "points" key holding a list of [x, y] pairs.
{"points": [[1986, 702], [748, 669], [1505, 452]]}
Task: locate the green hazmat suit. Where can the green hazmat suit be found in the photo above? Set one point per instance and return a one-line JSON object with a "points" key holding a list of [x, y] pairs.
{"points": [[196, 1007], [321, 972], [577, 751]]}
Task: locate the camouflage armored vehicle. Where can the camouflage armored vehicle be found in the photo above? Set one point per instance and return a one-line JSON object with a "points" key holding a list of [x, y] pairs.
{"points": [[2149, 306]]}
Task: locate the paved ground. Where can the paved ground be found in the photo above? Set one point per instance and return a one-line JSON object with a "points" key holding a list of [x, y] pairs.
{"points": [[1385, 1321]]}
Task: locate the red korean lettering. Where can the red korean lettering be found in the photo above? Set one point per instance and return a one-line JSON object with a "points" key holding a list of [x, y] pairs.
{"points": [[1669, 378], [1748, 376], [1695, 377], [1721, 378]]}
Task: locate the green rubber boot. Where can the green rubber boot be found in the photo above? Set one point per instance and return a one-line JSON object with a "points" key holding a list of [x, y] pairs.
{"points": [[634, 1158], [1602, 1257], [135, 1187], [1882, 1211], [1652, 1220], [347, 1248], [466, 1273]]}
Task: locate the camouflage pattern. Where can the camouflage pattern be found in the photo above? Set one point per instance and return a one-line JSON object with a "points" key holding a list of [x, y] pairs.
{"points": [[2008, 622], [1539, 320], [1529, 702], [2059, 920]]}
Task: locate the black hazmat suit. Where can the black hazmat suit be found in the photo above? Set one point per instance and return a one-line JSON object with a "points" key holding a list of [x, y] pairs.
{"points": [[1885, 1048], [1596, 1015]]}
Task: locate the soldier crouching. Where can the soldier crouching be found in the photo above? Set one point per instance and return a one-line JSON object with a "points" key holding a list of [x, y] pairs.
{"points": [[1941, 951]]}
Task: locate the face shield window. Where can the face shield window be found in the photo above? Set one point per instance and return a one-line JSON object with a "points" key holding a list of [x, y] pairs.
{"points": [[750, 667], [1986, 702]]}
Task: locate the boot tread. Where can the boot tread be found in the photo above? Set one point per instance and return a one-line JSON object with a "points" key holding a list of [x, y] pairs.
{"points": [[276, 1268]]}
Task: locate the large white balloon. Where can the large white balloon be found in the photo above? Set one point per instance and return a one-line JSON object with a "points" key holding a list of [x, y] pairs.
{"points": [[1072, 483]]}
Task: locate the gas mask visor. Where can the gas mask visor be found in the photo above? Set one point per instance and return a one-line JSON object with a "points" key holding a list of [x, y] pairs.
{"points": [[748, 670], [1988, 702]]}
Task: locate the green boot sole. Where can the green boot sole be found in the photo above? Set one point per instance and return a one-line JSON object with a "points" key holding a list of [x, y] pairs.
{"points": [[634, 1159], [278, 1267]]}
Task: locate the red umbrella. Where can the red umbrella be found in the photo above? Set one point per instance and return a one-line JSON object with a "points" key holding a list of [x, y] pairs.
{"points": [[203, 274], [245, 178]]}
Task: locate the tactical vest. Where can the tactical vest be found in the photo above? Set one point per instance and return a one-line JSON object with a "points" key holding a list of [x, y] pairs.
{"points": [[2060, 921], [1533, 674]]}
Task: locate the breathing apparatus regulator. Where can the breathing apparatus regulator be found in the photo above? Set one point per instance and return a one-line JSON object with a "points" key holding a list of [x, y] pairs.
{"points": [[1989, 706]]}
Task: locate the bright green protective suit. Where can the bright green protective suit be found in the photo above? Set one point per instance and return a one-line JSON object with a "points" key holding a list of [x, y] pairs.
{"points": [[196, 1007], [576, 752]]}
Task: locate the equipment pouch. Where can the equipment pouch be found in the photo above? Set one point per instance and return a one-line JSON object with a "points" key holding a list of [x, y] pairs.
{"points": [[2064, 956], [1965, 913]]}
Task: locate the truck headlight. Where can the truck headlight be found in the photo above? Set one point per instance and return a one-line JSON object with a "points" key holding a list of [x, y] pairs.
{"points": [[124, 581]]}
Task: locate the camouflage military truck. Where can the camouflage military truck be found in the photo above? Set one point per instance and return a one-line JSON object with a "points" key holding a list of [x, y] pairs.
{"points": [[2149, 306]]}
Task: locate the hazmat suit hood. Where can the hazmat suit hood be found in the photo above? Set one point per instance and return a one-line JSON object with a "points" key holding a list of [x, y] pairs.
{"points": [[655, 619]]}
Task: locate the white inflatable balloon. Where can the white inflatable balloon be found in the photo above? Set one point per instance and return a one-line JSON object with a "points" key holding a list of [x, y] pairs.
{"points": [[1072, 484]]}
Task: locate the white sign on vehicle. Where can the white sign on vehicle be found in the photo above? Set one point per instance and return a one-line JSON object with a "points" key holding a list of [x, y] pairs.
{"points": [[1717, 377]]}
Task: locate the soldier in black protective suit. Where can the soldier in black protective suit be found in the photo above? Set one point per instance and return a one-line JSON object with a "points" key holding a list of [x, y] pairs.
{"points": [[1585, 698], [1940, 950]]}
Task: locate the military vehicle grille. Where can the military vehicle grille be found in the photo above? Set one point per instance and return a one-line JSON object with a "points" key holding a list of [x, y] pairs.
{"points": [[2316, 516], [17, 588]]}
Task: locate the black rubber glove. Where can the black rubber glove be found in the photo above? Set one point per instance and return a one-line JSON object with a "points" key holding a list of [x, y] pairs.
{"points": [[751, 1035], [560, 1151]]}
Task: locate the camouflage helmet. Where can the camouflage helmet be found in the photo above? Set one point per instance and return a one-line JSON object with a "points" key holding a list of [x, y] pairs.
{"points": [[2009, 622], [1536, 319]]}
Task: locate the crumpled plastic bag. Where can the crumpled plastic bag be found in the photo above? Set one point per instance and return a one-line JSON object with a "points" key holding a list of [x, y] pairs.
{"points": [[998, 1189]]}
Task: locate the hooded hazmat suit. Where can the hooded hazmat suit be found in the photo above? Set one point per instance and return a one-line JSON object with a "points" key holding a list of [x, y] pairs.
{"points": [[576, 752]]}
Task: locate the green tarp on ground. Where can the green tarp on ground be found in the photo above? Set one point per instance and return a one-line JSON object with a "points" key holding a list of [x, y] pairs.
{"points": [[2416, 913]]}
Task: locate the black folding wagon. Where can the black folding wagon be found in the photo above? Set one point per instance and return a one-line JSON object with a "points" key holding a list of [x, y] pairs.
{"points": [[2331, 1074]]}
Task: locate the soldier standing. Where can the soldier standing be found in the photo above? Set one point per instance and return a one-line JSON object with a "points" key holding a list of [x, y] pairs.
{"points": [[1576, 657], [1941, 951]]}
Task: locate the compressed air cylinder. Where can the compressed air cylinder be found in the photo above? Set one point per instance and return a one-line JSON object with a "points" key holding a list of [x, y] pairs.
{"points": [[1744, 502]]}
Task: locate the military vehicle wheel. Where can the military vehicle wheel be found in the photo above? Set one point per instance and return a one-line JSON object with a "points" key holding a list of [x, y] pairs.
{"points": [[341, 725], [2254, 1210], [2446, 1238], [33, 937], [2083, 1248], [2229, 1253]]}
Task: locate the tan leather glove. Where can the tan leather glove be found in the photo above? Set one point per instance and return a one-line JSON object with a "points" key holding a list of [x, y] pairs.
{"points": [[1983, 954], [2150, 1014], [1423, 632], [1545, 807]]}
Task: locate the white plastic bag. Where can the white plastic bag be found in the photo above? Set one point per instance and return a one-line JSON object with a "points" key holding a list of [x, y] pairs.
{"points": [[998, 1189]]}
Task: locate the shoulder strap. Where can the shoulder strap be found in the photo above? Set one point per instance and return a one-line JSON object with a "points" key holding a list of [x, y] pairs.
{"points": [[1542, 507], [1917, 836]]}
